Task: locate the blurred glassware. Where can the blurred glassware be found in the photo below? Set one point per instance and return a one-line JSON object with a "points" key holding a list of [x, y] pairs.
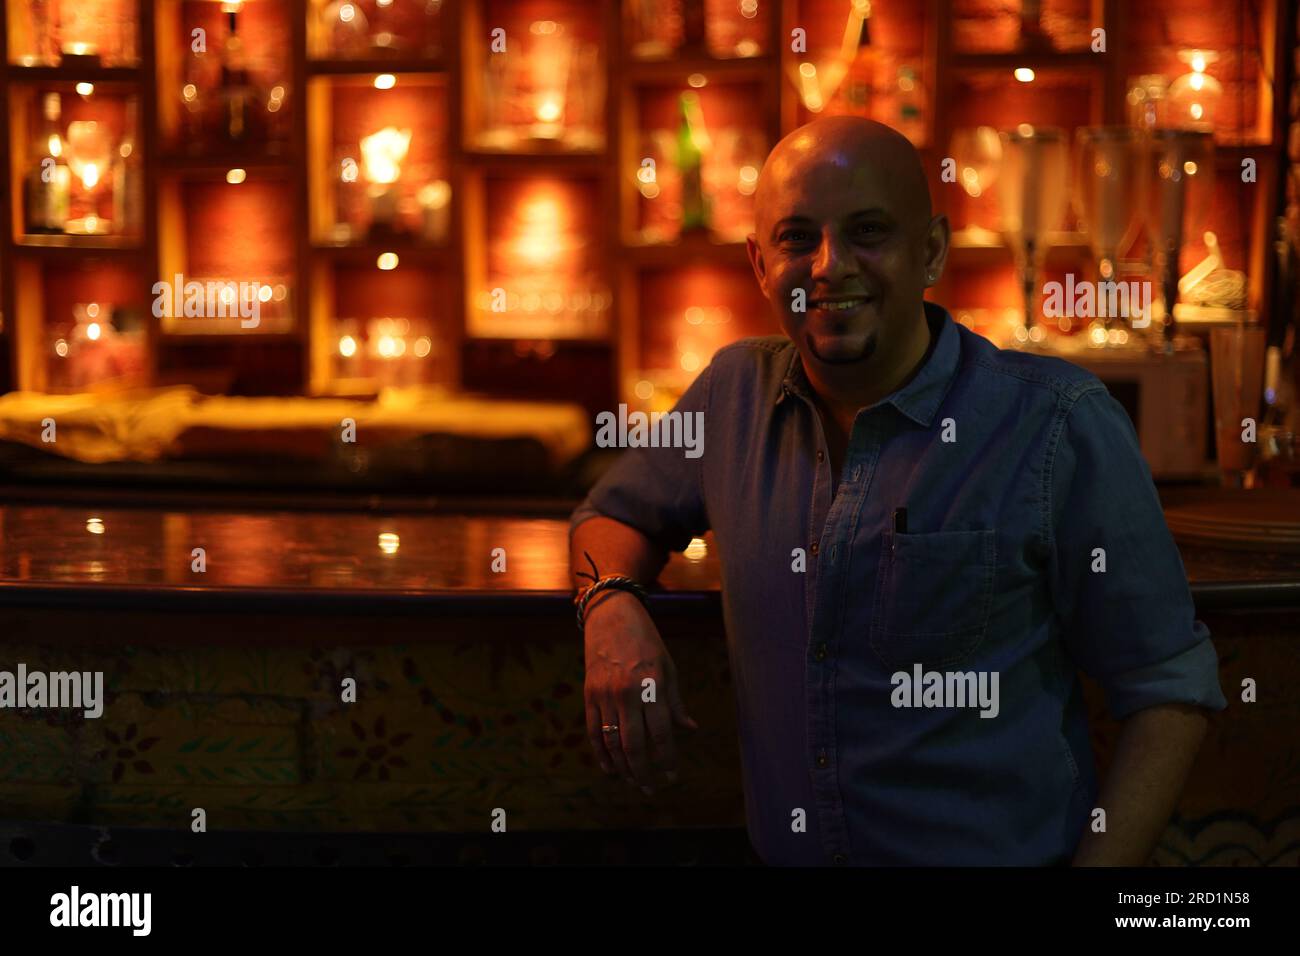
{"points": [[1108, 163], [735, 28], [1237, 376], [1177, 187], [910, 120], [351, 208], [435, 210], [730, 178], [655, 27], [41, 43], [78, 32], [347, 29], [1032, 197], [659, 185], [1147, 101], [585, 108], [977, 151], [383, 40], [550, 56], [384, 152], [1194, 97], [88, 158]]}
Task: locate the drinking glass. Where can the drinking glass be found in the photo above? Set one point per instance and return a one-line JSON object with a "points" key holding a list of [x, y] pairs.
{"points": [[1107, 164], [1237, 376], [1178, 192], [1032, 198]]}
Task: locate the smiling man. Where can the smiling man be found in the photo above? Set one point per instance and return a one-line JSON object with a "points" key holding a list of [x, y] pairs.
{"points": [[923, 540]]}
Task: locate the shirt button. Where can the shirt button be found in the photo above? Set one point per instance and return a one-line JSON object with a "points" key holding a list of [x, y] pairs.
{"points": [[821, 455], [839, 859], [821, 760], [821, 652], [815, 547]]}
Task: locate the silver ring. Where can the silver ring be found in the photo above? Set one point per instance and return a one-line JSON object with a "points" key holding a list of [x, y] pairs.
{"points": [[609, 728]]}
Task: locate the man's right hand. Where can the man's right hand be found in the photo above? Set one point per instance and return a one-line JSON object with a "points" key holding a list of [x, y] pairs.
{"points": [[623, 648]]}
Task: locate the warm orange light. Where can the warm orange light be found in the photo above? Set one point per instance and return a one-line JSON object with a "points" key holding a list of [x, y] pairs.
{"points": [[383, 153], [542, 219], [1024, 74], [385, 81], [236, 176], [387, 261], [549, 109]]}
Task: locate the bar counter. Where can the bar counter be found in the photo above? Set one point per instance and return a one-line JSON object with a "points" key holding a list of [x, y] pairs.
{"points": [[361, 562], [225, 687]]}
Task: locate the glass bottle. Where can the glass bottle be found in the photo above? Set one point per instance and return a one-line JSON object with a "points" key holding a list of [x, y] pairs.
{"points": [[49, 180], [236, 90], [695, 212]]}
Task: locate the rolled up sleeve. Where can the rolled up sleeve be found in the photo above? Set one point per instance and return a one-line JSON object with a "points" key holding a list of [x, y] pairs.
{"points": [[658, 491], [1118, 583]]}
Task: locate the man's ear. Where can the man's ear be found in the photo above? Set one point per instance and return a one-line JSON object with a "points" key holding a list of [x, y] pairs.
{"points": [[938, 235], [756, 260]]}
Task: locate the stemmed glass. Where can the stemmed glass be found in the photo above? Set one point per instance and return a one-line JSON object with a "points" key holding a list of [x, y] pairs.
{"points": [[978, 153], [1032, 198], [1106, 176], [1178, 188]]}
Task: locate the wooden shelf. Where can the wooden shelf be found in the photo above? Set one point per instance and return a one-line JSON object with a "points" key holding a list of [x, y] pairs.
{"points": [[75, 74], [369, 67], [678, 68], [301, 185], [65, 245], [408, 250], [217, 164], [1074, 60], [540, 158], [694, 248]]}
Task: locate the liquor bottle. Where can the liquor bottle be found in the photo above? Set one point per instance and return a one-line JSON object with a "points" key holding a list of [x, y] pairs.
{"points": [[695, 211], [126, 179], [236, 93], [49, 180]]}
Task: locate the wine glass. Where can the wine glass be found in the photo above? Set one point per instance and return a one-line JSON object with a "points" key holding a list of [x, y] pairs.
{"points": [[1032, 199], [1178, 192], [977, 151], [1107, 163]]}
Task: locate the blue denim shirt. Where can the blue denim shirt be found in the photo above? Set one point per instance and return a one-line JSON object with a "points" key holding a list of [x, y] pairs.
{"points": [[1035, 547]]}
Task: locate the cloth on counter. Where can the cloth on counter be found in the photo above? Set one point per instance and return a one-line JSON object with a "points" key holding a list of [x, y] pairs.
{"points": [[146, 425]]}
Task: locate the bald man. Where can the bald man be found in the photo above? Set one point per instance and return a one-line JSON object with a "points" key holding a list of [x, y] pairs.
{"points": [[923, 541]]}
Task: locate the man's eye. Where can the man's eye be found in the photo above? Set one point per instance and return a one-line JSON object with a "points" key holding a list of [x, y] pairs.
{"points": [[793, 235], [870, 228]]}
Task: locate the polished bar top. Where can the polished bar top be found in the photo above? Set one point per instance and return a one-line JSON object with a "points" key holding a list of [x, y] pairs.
{"points": [[147, 556]]}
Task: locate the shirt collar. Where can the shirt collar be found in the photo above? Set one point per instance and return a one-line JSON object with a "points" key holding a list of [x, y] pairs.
{"points": [[919, 400]]}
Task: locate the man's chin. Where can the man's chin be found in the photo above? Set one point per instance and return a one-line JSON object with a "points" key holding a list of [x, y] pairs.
{"points": [[841, 349]]}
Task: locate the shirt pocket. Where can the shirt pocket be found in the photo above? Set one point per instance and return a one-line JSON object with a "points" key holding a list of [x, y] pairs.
{"points": [[933, 597]]}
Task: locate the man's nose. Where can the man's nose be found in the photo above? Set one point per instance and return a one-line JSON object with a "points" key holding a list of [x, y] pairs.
{"points": [[834, 259]]}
